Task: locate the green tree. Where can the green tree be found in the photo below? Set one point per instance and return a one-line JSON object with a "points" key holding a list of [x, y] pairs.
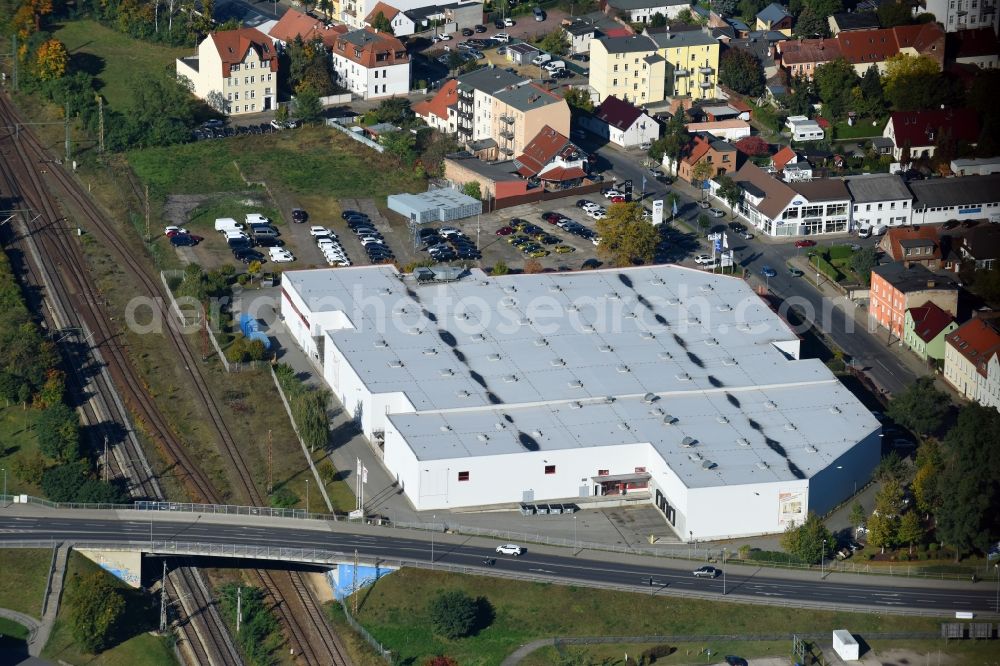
{"points": [[453, 614], [473, 189], [909, 81], [58, 431], [834, 82], [625, 236], [891, 14], [307, 105], [381, 23], [742, 72], [161, 113], [724, 7], [578, 98], [730, 192], [872, 95], [810, 541], [862, 263], [911, 530], [499, 268], [555, 42], [675, 138], [924, 485], [882, 531], [281, 113], [96, 608], [395, 110], [920, 406], [62, 482], [658, 20], [704, 223], [798, 100], [883, 525], [858, 516], [400, 145], [750, 8]]}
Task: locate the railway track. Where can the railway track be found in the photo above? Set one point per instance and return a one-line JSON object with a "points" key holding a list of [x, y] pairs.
{"points": [[90, 305]]}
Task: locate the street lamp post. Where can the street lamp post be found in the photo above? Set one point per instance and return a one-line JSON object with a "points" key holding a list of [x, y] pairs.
{"points": [[822, 559], [576, 542], [307, 498], [996, 608], [724, 553], [4, 486], [433, 523]]}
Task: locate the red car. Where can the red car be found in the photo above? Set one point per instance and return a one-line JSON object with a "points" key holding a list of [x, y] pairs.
{"points": [[551, 218], [805, 243], [504, 231], [617, 199]]}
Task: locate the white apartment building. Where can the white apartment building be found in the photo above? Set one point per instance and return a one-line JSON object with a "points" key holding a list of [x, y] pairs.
{"points": [[957, 15], [989, 384], [371, 64], [968, 351], [235, 71], [879, 201]]}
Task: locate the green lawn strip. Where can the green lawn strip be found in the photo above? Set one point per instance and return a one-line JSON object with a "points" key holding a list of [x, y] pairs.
{"points": [[360, 652], [340, 492], [609, 654], [11, 631], [202, 219], [17, 441], [116, 59], [395, 612], [140, 649], [862, 129], [25, 574]]}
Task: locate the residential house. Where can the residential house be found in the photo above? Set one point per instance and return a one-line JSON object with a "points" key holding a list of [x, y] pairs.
{"points": [[879, 200], [521, 113], [371, 64], [730, 130], [775, 17], [554, 160], [761, 45], [989, 384], [647, 69], [355, 12], [522, 53], [235, 71], [475, 105], [293, 24], [862, 48], [622, 124], [498, 181], [804, 129], [791, 168], [980, 246], [791, 209], [968, 351], [734, 110], [402, 25], [978, 47], [723, 156], [966, 198], [440, 111], [579, 34], [852, 21], [643, 11], [975, 166], [899, 286], [957, 15], [919, 131], [924, 330], [784, 156], [915, 245]]}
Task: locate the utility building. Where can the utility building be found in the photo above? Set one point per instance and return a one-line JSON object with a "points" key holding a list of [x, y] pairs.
{"points": [[663, 382]]}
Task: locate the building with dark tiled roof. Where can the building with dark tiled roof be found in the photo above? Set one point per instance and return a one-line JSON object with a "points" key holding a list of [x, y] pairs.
{"points": [[643, 11], [622, 123], [371, 64], [898, 286], [775, 17], [850, 21], [966, 198], [553, 159], [979, 47], [919, 131], [967, 353]]}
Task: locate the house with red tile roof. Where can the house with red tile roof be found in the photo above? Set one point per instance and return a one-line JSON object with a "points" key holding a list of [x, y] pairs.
{"points": [[925, 329], [921, 130], [402, 24], [978, 47], [721, 155], [968, 352], [622, 123], [784, 156], [862, 48], [439, 111], [371, 64], [917, 245], [294, 24], [235, 71], [553, 159]]}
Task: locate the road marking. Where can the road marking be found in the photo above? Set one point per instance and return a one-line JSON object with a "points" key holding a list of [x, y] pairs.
{"points": [[542, 571]]}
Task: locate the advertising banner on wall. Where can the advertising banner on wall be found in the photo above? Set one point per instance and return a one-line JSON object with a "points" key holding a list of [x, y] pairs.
{"points": [[658, 212], [791, 507]]}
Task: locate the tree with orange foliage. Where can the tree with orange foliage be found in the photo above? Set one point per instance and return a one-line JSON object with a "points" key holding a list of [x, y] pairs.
{"points": [[51, 60], [24, 22]]}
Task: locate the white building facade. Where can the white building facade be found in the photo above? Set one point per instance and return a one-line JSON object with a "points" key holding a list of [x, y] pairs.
{"points": [[957, 15], [235, 72], [371, 65], [879, 201]]}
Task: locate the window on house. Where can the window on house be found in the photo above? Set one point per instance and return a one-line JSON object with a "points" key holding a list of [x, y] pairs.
{"points": [[463, 476], [892, 206], [880, 206], [603, 472], [550, 469], [640, 470]]}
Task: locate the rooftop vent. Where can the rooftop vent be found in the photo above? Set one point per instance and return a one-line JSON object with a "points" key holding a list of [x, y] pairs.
{"points": [[508, 302], [524, 321], [612, 295], [622, 368], [706, 288], [445, 428], [415, 331], [835, 410], [812, 449], [576, 383], [743, 441], [673, 301], [688, 442], [462, 394], [385, 291], [381, 344], [395, 363], [608, 399], [447, 372], [646, 335], [762, 465], [494, 357], [669, 419], [694, 457], [510, 379], [729, 361], [498, 426], [478, 337], [588, 328], [541, 342], [430, 351], [630, 315], [693, 320], [721, 418], [770, 405], [683, 376], [743, 327], [649, 398], [557, 362], [482, 437], [575, 405], [605, 348], [711, 342], [725, 307], [622, 425], [536, 433], [554, 288], [657, 282], [572, 307], [790, 427], [708, 464], [665, 355], [510, 289]]}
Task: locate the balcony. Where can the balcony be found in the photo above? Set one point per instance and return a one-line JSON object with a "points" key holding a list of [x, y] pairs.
{"points": [[507, 151], [507, 119], [680, 71], [467, 94], [706, 70], [507, 134], [706, 84]]}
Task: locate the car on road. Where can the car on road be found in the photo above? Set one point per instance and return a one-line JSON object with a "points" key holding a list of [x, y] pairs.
{"points": [[645, 146], [704, 204], [502, 37], [281, 256], [509, 23], [707, 572], [703, 259], [794, 272], [746, 235], [480, 29], [737, 227], [610, 193], [805, 242], [510, 549], [768, 272], [618, 199], [715, 212], [733, 660]]}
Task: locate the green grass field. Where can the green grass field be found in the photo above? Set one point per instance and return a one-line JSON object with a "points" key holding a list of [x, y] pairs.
{"points": [[22, 585], [115, 58], [394, 611], [17, 438], [312, 161], [142, 649], [862, 129]]}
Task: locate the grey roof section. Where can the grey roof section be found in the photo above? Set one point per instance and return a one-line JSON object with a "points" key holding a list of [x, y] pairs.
{"points": [[877, 187], [646, 4], [772, 13], [914, 277], [491, 79], [527, 98], [653, 59], [359, 37], [547, 350], [675, 38], [856, 20], [496, 171], [578, 28], [721, 110], [191, 61], [947, 192], [630, 44], [523, 47]]}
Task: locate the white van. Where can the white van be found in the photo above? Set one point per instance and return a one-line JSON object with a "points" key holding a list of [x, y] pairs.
{"points": [[541, 59], [235, 233], [257, 218], [554, 66], [223, 224]]}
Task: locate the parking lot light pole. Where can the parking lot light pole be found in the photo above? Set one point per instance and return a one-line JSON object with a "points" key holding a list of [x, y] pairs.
{"points": [[433, 523], [724, 549], [822, 559]]}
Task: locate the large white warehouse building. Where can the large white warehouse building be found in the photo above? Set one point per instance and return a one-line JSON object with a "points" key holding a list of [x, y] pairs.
{"points": [[663, 380]]}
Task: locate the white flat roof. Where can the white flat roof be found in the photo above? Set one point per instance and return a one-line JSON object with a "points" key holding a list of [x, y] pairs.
{"points": [[468, 352]]}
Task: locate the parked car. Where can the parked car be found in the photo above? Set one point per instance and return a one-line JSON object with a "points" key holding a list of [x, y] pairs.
{"points": [[746, 235], [703, 259], [715, 212], [707, 572], [480, 29], [183, 240], [737, 227], [467, 32], [805, 242], [564, 249], [173, 231], [277, 124], [246, 255], [610, 193], [299, 215], [580, 57], [281, 256], [704, 204], [732, 660], [794, 272], [509, 23], [352, 213]]}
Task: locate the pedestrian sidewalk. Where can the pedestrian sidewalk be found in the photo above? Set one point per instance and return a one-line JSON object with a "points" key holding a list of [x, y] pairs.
{"points": [[52, 599]]}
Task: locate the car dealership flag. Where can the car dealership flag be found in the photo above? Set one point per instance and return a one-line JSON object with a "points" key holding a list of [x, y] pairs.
{"points": [[675, 207], [718, 245], [364, 474], [725, 240]]}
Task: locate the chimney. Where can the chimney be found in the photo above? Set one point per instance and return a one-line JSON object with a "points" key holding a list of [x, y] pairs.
{"points": [[931, 284]]}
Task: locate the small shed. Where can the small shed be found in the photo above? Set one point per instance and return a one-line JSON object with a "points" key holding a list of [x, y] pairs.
{"points": [[521, 54], [845, 645], [441, 205]]}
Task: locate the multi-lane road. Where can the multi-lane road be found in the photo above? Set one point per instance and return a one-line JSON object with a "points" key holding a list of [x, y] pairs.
{"points": [[388, 545], [832, 316]]}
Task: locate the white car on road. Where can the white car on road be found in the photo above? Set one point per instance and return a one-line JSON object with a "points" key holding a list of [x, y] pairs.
{"points": [[510, 549], [501, 37], [703, 259], [715, 212]]}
